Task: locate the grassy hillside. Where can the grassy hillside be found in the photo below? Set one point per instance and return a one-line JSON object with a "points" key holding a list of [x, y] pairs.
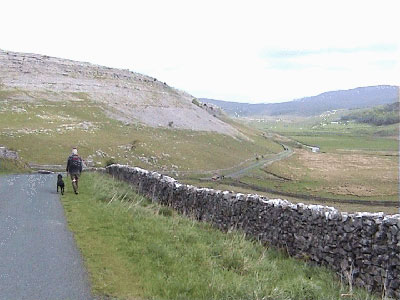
{"points": [[134, 249], [381, 115], [44, 132]]}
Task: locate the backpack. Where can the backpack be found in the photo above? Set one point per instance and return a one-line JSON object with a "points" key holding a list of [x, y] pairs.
{"points": [[76, 161]]}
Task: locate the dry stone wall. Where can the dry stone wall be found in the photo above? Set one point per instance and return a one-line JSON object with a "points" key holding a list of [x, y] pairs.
{"points": [[362, 247]]}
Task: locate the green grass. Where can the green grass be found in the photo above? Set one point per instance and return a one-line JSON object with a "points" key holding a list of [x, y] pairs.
{"points": [[29, 126], [8, 166], [332, 143], [318, 131], [134, 249]]}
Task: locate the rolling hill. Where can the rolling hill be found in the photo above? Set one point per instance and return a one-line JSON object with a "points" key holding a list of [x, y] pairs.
{"points": [[362, 97], [124, 95]]}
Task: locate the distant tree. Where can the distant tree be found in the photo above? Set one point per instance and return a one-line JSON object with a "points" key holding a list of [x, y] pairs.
{"points": [[382, 115]]}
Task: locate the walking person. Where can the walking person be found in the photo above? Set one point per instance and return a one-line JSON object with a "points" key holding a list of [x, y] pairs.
{"points": [[74, 168]]}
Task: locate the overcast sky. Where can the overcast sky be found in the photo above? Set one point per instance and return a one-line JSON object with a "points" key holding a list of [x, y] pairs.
{"points": [[247, 51]]}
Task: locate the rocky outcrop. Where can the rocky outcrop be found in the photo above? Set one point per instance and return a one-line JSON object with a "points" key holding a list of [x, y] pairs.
{"points": [[125, 95], [364, 248], [8, 154]]}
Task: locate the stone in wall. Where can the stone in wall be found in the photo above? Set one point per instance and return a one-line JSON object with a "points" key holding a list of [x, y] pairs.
{"points": [[361, 247]]}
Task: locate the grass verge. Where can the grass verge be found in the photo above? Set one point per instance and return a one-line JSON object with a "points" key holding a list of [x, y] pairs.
{"points": [[8, 166], [135, 249]]}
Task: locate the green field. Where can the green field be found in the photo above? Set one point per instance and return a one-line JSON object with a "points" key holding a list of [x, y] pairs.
{"points": [[329, 143], [44, 133], [323, 126], [134, 249]]}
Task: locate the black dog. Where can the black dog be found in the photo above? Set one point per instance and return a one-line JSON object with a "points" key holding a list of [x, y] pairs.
{"points": [[60, 183]]}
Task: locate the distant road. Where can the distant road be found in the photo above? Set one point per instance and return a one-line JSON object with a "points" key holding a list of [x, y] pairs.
{"points": [[262, 162], [238, 171], [38, 256]]}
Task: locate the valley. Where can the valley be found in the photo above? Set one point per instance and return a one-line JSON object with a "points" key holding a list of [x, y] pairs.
{"points": [[356, 168], [213, 150]]}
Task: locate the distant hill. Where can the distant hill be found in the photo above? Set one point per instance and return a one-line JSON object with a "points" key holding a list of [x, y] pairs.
{"points": [[362, 97]]}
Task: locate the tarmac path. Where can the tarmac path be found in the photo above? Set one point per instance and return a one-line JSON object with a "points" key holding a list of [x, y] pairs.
{"points": [[38, 255], [287, 152]]}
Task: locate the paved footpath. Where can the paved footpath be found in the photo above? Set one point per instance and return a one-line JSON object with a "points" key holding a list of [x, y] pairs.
{"points": [[38, 255]]}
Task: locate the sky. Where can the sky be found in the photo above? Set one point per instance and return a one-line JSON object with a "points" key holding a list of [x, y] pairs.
{"points": [[245, 51]]}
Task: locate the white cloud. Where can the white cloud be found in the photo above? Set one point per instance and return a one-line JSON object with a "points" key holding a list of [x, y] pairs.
{"points": [[219, 49]]}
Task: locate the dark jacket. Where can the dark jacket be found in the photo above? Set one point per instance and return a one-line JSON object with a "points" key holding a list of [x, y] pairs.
{"points": [[74, 164]]}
